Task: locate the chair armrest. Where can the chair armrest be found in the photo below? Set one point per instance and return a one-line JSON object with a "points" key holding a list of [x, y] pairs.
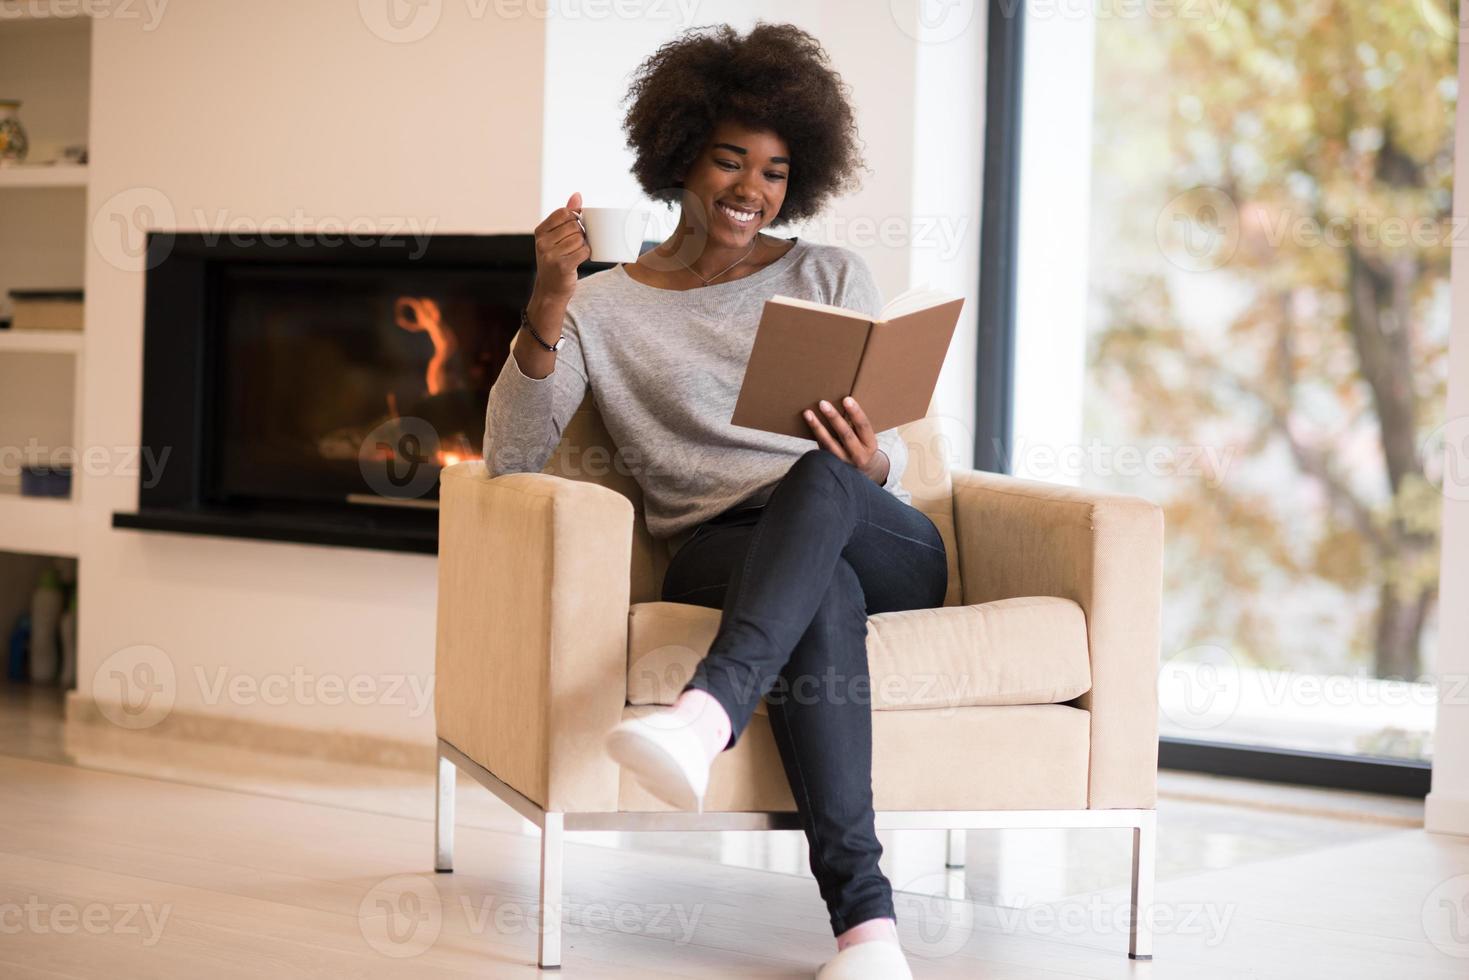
{"points": [[1104, 551], [531, 656]]}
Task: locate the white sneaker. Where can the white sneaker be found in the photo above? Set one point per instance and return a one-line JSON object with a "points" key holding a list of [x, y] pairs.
{"points": [[665, 757], [875, 960]]}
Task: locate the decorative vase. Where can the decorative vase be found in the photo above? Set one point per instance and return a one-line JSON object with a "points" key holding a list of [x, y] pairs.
{"points": [[13, 142]]}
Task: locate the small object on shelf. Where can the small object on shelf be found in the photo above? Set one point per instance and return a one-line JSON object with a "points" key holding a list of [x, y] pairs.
{"points": [[67, 634], [13, 141], [74, 155], [18, 664], [45, 481], [46, 604], [46, 309]]}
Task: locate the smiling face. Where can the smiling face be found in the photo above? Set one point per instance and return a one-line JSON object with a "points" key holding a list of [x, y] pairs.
{"points": [[740, 181]]}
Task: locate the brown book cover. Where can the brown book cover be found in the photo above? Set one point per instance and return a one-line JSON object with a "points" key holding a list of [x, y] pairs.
{"points": [[804, 352]]}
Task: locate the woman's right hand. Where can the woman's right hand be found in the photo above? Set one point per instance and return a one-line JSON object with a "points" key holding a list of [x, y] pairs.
{"points": [[561, 246]]}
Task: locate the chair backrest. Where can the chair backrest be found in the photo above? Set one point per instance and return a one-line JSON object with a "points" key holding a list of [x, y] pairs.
{"points": [[586, 452]]}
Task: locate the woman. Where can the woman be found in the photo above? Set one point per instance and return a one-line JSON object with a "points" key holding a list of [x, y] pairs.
{"points": [[796, 545]]}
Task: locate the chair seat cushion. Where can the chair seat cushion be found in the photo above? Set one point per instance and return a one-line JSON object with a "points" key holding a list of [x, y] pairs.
{"points": [[1029, 757], [1028, 650]]}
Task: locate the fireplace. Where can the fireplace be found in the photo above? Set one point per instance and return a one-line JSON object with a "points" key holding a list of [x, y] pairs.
{"points": [[311, 388]]}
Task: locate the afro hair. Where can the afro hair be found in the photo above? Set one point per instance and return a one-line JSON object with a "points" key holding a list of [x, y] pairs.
{"points": [[775, 79]]}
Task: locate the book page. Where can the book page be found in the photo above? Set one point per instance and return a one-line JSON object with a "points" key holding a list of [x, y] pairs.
{"points": [[807, 304], [913, 299]]}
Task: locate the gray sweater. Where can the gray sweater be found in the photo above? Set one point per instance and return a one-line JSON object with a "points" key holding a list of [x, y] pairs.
{"points": [[664, 367]]}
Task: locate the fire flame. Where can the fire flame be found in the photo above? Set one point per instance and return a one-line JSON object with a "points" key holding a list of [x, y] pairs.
{"points": [[427, 319]]}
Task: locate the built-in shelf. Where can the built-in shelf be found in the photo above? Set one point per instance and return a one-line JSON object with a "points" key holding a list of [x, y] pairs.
{"points": [[59, 175], [38, 525], [41, 341], [49, 44]]}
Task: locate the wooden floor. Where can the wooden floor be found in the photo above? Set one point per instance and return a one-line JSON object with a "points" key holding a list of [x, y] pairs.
{"points": [[129, 856]]}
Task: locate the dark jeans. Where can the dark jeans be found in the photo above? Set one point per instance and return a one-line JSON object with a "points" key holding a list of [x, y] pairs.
{"points": [[796, 580]]}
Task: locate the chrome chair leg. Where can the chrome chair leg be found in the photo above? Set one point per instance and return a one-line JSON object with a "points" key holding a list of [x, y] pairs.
{"points": [[548, 945], [957, 838], [444, 816], [1144, 852]]}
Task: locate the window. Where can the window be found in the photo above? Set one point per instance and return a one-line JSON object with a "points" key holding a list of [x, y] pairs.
{"points": [[1234, 227]]}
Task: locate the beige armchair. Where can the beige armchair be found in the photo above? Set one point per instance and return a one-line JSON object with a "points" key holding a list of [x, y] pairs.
{"points": [[1028, 700]]}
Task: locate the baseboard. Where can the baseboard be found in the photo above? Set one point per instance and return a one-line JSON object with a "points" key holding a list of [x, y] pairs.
{"points": [[346, 747], [1443, 814]]}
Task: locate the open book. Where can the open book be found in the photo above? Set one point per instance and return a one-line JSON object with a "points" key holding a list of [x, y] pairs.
{"points": [[806, 351]]}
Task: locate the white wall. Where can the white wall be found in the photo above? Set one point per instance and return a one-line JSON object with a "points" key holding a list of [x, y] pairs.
{"points": [[946, 154], [1447, 806], [297, 113], [1052, 252]]}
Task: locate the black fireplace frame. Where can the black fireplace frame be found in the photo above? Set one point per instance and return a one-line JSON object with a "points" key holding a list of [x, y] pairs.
{"points": [[179, 359]]}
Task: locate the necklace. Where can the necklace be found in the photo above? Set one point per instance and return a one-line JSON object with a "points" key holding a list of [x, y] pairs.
{"points": [[726, 268]]}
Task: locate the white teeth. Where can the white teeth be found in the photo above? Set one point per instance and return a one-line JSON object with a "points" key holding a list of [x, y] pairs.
{"points": [[742, 217]]}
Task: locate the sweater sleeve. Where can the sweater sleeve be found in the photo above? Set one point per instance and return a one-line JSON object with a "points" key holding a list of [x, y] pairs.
{"points": [[859, 291], [525, 416]]}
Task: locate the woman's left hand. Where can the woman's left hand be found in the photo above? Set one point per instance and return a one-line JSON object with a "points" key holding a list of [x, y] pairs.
{"points": [[852, 441]]}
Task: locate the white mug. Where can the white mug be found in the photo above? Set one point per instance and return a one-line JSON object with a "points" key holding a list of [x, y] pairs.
{"points": [[615, 234]]}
